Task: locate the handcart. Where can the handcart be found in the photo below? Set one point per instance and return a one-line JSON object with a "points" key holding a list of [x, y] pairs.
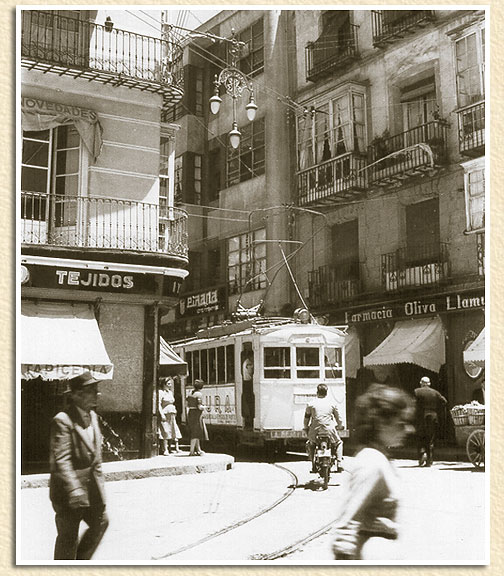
{"points": [[469, 421]]}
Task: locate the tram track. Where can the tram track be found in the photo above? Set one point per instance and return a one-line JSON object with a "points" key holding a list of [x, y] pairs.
{"points": [[287, 494]]}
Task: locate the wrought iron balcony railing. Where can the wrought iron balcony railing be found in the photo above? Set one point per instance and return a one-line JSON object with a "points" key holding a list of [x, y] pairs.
{"points": [[336, 179], [480, 246], [330, 52], [331, 285], [471, 123], [82, 49], [103, 223], [398, 157], [414, 266], [391, 25]]}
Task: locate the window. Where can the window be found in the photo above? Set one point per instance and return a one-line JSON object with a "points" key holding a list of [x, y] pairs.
{"points": [[188, 178], [474, 185], [251, 60], [277, 362], [58, 35], [247, 161], [213, 272], [247, 261], [192, 101], [345, 250], [307, 362], [193, 280], [332, 129], [333, 363], [213, 365], [470, 67], [422, 232], [215, 171], [50, 176]]}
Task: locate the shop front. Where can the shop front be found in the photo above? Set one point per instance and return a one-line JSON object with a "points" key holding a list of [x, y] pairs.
{"points": [[82, 316], [402, 340]]}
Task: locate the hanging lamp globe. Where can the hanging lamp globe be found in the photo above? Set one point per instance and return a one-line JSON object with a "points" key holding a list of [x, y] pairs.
{"points": [[234, 136], [251, 108], [215, 102]]}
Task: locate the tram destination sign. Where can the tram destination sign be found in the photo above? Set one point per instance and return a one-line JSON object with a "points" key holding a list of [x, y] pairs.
{"points": [[414, 308]]}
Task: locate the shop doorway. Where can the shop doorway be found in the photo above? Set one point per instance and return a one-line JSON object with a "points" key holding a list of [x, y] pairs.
{"points": [[40, 401]]}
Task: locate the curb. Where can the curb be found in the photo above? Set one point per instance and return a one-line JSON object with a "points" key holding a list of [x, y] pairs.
{"points": [[147, 468]]}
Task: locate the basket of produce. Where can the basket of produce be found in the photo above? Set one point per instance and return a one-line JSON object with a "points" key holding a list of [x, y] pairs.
{"points": [[476, 414], [459, 415]]}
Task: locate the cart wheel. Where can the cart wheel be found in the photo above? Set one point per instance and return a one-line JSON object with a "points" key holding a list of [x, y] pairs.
{"points": [[476, 448]]}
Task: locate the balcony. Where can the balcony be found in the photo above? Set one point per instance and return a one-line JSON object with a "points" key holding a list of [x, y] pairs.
{"points": [[326, 285], [82, 49], [418, 151], [480, 246], [392, 25], [103, 224], [330, 53], [340, 178], [419, 265], [471, 125]]}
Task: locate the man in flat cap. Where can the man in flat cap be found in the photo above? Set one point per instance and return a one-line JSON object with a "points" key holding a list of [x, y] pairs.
{"points": [[428, 402], [76, 486]]}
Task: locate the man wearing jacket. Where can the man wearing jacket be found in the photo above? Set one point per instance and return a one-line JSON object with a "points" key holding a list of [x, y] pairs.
{"points": [[428, 402], [76, 485]]}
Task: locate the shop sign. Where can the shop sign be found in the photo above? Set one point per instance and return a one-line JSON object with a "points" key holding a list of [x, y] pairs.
{"points": [[202, 302], [64, 278], [415, 308], [43, 107]]}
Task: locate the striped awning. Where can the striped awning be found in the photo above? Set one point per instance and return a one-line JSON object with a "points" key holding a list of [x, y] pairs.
{"points": [[475, 352], [420, 342], [60, 341]]}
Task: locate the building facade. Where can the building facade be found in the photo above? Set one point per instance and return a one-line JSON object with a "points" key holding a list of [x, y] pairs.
{"points": [[370, 136], [103, 248]]}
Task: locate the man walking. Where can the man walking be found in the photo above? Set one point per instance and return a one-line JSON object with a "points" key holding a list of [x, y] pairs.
{"points": [[428, 402], [322, 418], [76, 483]]}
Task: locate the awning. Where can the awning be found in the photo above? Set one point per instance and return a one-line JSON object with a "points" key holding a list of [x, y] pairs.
{"points": [[60, 341], [420, 342], [352, 353], [475, 353], [169, 361]]}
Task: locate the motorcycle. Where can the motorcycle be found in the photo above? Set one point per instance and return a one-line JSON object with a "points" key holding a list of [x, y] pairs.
{"points": [[324, 459]]}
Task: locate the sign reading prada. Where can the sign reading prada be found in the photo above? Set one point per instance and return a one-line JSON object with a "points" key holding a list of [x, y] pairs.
{"points": [[101, 280], [456, 302]]}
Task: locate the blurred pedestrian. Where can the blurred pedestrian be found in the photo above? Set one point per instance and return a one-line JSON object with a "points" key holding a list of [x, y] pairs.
{"points": [[367, 524], [322, 419], [168, 430], [478, 394], [76, 486], [195, 420], [428, 403]]}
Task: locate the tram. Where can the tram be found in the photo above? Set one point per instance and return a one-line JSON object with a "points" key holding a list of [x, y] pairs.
{"points": [[259, 375]]}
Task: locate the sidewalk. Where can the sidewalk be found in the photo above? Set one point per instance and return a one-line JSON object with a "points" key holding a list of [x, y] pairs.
{"points": [[172, 465]]}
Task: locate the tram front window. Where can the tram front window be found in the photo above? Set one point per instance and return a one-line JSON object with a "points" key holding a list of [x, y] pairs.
{"points": [[307, 363], [333, 363], [277, 362]]}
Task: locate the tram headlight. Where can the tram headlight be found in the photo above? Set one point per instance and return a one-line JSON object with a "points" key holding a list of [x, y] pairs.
{"points": [[302, 315]]}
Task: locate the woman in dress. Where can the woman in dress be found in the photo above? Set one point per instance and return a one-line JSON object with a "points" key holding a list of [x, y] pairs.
{"points": [[195, 421], [367, 527], [168, 430]]}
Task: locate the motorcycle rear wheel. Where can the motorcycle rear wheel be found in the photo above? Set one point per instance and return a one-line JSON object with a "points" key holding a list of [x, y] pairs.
{"points": [[325, 472]]}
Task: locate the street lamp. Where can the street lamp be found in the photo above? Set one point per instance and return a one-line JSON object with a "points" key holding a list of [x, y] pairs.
{"points": [[234, 82]]}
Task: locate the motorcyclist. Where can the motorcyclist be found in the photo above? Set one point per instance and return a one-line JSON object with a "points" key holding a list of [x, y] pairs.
{"points": [[322, 419]]}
